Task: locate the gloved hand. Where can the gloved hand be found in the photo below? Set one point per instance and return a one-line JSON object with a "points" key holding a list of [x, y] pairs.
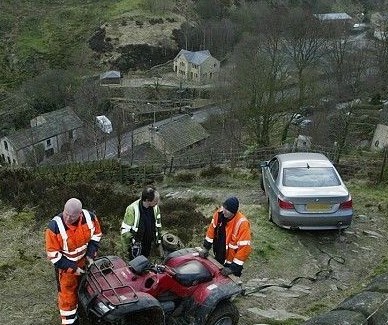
{"points": [[204, 253], [226, 271], [79, 271], [161, 250], [89, 261], [136, 249]]}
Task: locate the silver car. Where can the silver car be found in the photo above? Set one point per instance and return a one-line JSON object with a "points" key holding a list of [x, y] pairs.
{"points": [[305, 191]]}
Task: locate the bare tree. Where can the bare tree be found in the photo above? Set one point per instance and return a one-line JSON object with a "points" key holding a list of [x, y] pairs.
{"points": [[260, 76], [305, 46], [91, 100]]}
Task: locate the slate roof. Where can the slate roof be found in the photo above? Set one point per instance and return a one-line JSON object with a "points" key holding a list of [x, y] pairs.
{"points": [[110, 75], [56, 122], [180, 133], [196, 58], [333, 16]]}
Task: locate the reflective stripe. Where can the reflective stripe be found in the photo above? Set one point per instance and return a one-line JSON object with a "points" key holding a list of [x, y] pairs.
{"points": [[244, 243], [238, 224], [233, 246], [135, 226], [210, 240], [68, 312], [238, 262], [62, 231], [77, 254], [89, 221], [96, 237], [158, 224], [125, 228], [68, 321], [54, 256]]}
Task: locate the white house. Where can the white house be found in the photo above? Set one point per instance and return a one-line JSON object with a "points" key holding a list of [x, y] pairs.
{"points": [[49, 133]]}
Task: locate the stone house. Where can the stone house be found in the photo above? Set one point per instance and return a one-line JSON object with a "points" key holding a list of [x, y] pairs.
{"points": [[49, 133], [336, 20], [172, 136], [199, 66]]}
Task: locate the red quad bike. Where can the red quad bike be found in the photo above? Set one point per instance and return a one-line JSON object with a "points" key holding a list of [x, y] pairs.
{"points": [[186, 289]]}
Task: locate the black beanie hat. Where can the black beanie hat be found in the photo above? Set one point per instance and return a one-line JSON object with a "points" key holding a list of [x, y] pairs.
{"points": [[231, 204]]}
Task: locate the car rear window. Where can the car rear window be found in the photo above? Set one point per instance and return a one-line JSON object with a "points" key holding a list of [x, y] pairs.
{"points": [[310, 177]]}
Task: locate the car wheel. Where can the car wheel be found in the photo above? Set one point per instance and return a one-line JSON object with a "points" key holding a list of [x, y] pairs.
{"points": [[269, 212], [225, 313]]}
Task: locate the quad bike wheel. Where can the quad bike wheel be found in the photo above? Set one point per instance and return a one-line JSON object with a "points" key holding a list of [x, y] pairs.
{"points": [[226, 313]]}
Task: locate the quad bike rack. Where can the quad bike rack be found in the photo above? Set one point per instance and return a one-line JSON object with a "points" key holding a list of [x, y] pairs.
{"points": [[98, 271]]}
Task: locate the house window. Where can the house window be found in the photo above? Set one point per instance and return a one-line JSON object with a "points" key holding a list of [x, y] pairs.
{"points": [[71, 134], [14, 161], [9, 160], [48, 142], [6, 145], [2, 157]]}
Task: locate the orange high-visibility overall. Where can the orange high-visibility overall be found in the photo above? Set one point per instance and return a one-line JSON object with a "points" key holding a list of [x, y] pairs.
{"points": [[238, 238], [67, 247]]}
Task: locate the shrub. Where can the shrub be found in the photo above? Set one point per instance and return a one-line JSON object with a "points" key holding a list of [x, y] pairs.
{"points": [[211, 171], [186, 177]]}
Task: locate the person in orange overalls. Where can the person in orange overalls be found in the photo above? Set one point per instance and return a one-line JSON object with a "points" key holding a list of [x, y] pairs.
{"points": [[230, 235], [72, 240]]}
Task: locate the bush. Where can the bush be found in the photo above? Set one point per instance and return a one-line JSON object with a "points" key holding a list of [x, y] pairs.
{"points": [[186, 177], [211, 171]]}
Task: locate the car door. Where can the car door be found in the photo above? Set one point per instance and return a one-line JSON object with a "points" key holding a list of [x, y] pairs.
{"points": [[272, 190]]}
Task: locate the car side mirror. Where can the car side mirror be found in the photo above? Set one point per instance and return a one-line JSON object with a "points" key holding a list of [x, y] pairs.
{"points": [[264, 164]]}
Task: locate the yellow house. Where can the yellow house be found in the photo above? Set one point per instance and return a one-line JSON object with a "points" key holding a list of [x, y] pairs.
{"points": [[199, 66]]}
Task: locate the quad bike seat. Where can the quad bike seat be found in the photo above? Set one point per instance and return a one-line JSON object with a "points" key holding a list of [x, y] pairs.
{"points": [[139, 264], [192, 273]]}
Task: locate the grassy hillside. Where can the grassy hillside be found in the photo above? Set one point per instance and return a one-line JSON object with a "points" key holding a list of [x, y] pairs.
{"points": [[50, 34]]}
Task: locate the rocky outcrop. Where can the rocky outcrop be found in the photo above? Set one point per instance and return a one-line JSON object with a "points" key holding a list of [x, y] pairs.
{"points": [[133, 42], [367, 307]]}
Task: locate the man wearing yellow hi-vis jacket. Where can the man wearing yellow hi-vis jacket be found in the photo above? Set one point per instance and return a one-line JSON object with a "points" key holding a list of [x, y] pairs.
{"points": [[141, 227]]}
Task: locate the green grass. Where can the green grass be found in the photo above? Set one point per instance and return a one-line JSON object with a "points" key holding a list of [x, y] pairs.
{"points": [[123, 6], [57, 30], [381, 268]]}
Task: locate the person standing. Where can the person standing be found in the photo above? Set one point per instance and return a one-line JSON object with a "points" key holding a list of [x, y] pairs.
{"points": [[141, 226], [72, 240], [230, 235]]}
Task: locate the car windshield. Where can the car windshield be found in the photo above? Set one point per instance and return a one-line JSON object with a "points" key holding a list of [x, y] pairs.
{"points": [[310, 177]]}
